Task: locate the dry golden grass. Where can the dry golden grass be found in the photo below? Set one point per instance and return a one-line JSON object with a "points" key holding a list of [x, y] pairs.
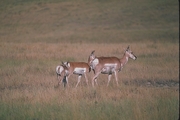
{"points": [[28, 79], [155, 61], [33, 64]]}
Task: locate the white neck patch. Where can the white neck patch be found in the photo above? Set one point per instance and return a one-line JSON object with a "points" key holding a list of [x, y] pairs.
{"points": [[94, 63], [126, 59]]}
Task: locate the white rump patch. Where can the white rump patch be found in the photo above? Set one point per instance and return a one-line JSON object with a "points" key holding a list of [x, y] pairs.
{"points": [[79, 70], [94, 63], [59, 69]]}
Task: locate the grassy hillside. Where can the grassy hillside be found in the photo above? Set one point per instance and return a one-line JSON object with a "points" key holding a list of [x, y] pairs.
{"points": [[149, 86], [36, 35], [101, 21]]}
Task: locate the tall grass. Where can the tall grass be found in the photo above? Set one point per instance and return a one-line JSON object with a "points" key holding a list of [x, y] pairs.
{"points": [[148, 86]]}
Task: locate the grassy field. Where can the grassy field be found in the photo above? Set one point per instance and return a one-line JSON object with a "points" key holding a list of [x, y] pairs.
{"points": [[36, 35]]}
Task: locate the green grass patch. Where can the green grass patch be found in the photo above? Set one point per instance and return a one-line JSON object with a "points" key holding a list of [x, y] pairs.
{"points": [[126, 108], [89, 21]]}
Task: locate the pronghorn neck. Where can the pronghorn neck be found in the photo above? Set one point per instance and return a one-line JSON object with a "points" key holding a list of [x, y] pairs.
{"points": [[124, 59]]}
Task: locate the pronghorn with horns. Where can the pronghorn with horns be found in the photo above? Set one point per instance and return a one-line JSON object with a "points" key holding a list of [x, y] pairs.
{"points": [[77, 68], [108, 65]]}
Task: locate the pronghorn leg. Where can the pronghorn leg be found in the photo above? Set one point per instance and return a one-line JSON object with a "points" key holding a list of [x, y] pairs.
{"points": [[59, 80], [64, 80], [109, 79], [96, 81], [86, 78], [95, 78], [79, 79], [67, 77], [115, 73]]}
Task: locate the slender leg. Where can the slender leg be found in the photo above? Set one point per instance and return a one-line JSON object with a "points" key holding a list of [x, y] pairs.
{"points": [[86, 79], [79, 79], [95, 78], [67, 78], [93, 81], [96, 81], [64, 81], [109, 79], [58, 79], [116, 78]]}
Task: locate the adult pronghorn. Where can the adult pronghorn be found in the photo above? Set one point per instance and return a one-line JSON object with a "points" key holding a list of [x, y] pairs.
{"points": [[108, 65], [78, 68]]}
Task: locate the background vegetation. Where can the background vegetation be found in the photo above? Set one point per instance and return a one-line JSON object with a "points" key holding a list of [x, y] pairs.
{"points": [[36, 35]]}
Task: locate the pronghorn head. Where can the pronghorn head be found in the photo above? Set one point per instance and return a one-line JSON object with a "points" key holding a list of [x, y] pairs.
{"points": [[66, 64], [130, 54], [91, 57]]}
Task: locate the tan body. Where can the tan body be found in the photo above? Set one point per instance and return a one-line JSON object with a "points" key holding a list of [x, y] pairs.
{"points": [[78, 68]]}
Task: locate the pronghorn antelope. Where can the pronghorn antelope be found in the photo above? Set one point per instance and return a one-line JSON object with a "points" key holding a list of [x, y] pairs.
{"points": [[60, 71], [78, 68], [108, 65]]}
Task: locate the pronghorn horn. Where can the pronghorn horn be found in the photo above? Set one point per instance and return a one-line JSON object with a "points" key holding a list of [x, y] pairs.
{"points": [[127, 48], [92, 52]]}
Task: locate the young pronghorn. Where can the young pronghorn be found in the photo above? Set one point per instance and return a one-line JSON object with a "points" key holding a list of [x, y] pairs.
{"points": [[61, 71], [108, 65], [78, 68]]}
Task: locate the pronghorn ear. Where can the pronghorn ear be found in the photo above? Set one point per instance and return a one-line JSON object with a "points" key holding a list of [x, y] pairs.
{"points": [[65, 64]]}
